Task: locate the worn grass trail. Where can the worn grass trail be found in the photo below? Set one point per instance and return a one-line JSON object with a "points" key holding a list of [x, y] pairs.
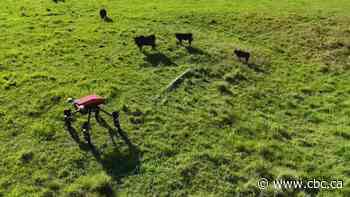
{"points": [[285, 115]]}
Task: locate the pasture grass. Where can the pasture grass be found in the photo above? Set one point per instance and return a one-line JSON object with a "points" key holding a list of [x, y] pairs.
{"points": [[286, 114]]}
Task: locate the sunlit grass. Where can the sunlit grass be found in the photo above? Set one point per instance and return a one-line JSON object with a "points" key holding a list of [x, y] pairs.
{"points": [[223, 128]]}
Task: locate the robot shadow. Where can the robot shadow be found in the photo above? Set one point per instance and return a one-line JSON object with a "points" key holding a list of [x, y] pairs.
{"points": [[116, 163]]}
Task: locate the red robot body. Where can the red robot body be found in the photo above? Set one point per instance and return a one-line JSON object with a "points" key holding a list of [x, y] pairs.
{"points": [[90, 101]]}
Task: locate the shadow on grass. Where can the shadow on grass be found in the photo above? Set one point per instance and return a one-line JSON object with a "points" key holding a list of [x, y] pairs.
{"points": [[196, 51], [108, 20], [157, 59], [117, 164], [255, 67]]}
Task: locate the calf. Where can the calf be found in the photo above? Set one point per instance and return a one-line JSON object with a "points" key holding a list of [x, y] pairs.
{"points": [[103, 14], [242, 55], [184, 36], [141, 41]]}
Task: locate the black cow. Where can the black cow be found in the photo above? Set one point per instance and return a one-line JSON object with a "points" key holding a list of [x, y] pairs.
{"points": [[141, 41], [184, 36], [104, 16], [242, 55]]}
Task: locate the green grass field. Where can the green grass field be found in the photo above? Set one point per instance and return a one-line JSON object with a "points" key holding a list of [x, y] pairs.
{"points": [[286, 116]]}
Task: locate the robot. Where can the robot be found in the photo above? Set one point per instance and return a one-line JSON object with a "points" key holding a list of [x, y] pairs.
{"points": [[89, 105]]}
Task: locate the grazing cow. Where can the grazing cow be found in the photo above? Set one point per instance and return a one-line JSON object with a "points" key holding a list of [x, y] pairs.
{"points": [[141, 41], [242, 55], [184, 36], [103, 14]]}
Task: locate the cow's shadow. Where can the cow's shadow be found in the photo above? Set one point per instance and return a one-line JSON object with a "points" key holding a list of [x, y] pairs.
{"points": [[195, 51], [108, 20], [157, 59], [116, 163], [255, 67]]}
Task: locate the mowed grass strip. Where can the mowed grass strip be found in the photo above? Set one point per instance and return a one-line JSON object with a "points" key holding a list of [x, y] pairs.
{"points": [[224, 127]]}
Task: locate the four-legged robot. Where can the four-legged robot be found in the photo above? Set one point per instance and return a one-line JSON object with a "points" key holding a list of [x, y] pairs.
{"points": [[89, 105]]}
